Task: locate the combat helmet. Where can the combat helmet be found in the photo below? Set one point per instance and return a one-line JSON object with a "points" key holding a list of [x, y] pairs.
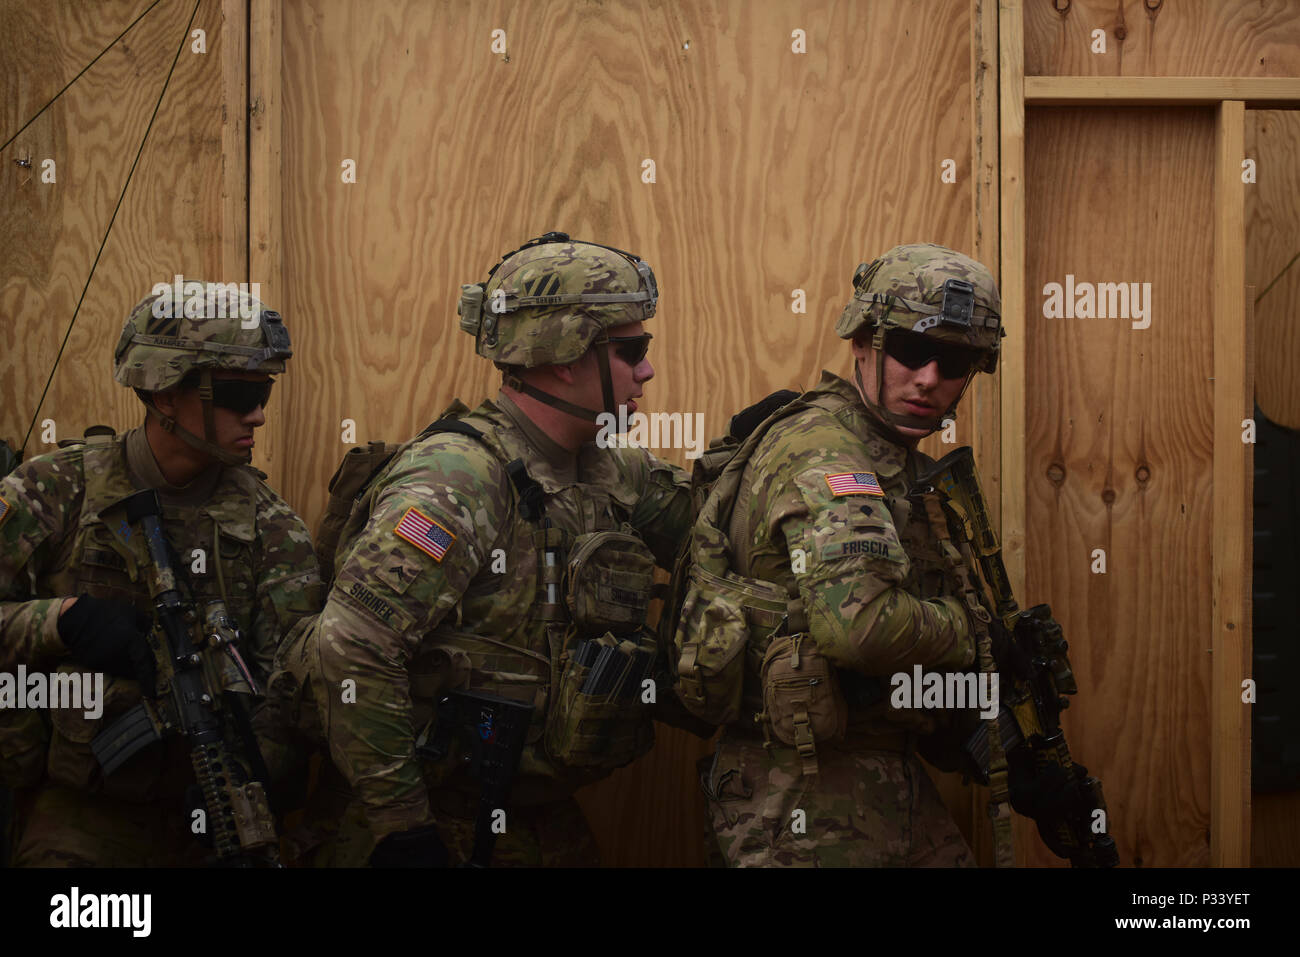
{"points": [[197, 327], [932, 290], [551, 300]]}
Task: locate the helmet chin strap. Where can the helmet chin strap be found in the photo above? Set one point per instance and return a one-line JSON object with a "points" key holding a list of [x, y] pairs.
{"points": [[208, 447], [894, 420], [513, 381]]}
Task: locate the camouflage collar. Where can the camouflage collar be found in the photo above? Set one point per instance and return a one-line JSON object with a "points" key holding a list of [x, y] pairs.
{"points": [[889, 457], [232, 504], [549, 463], [144, 472]]}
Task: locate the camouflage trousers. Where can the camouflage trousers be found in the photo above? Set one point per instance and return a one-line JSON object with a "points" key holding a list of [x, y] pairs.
{"points": [[864, 808], [58, 826], [334, 831]]}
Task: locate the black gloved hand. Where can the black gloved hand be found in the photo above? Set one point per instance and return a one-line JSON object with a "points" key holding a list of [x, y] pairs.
{"points": [[109, 636], [1048, 794], [420, 847], [1041, 792]]}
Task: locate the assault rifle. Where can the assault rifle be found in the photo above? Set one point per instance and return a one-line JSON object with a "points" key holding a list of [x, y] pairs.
{"points": [[495, 729], [238, 812], [1030, 654]]}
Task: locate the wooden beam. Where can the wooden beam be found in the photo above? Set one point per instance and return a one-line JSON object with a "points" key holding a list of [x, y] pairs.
{"points": [[986, 237], [1230, 638], [987, 246], [1011, 366], [234, 132], [1257, 92], [265, 245]]}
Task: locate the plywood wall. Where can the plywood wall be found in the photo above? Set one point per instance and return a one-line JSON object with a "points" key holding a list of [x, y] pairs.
{"points": [[774, 171], [1162, 38], [1272, 266], [1119, 453], [182, 213]]}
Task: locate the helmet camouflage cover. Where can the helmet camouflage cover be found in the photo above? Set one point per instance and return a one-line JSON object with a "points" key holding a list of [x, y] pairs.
{"points": [[549, 300], [211, 326], [928, 289]]}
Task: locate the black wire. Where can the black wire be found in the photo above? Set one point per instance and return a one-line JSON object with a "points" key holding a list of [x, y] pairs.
{"points": [[78, 76], [109, 230]]}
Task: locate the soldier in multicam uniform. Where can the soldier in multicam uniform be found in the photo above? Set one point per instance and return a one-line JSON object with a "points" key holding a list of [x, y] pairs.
{"points": [[481, 558], [827, 510], [73, 595]]}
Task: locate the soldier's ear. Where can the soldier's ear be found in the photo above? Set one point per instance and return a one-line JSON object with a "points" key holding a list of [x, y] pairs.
{"points": [[567, 374], [166, 402], [861, 343]]}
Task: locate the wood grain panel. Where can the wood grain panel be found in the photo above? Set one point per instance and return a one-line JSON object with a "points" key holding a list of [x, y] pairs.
{"points": [[170, 220], [1231, 565], [775, 171], [1119, 453], [1185, 38], [1273, 260]]}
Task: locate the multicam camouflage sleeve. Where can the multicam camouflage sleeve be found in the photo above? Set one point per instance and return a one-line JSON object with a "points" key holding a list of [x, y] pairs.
{"points": [[853, 563], [431, 528], [37, 500], [662, 514], [288, 590]]}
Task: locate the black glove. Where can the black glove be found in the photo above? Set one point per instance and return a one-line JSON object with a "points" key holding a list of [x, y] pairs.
{"points": [[1048, 794], [108, 635], [421, 847], [1039, 792]]}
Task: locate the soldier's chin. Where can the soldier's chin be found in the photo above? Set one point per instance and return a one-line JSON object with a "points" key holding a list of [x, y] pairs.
{"points": [[919, 431]]}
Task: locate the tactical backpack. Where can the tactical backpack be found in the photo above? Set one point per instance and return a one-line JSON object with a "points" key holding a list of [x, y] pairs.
{"points": [[361, 466], [715, 617]]}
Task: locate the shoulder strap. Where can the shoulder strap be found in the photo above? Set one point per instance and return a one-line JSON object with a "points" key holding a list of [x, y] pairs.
{"points": [[363, 464]]}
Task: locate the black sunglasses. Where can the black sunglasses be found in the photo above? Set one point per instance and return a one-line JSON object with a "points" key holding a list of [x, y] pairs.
{"points": [[915, 351], [631, 349], [241, 396]]}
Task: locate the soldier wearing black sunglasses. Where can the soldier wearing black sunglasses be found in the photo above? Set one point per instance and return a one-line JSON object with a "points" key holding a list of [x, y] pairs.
{"points": [[828, 514], [75, 582], [504, 531]]}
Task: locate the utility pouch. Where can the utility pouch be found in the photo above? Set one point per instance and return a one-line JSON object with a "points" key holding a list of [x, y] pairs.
{"points": [[719, 615], [24, 741], [608, 582], [802, 699], [600, 718]]}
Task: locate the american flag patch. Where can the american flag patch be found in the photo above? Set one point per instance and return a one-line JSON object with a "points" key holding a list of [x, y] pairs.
{"points": [[854, 483], [5, 509], [424, 533]]}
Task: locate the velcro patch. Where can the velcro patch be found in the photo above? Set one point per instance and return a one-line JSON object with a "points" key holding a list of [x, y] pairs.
{"points": [[5, 509], [854, 483], [424, 533], [866, 546], [389, 614]]}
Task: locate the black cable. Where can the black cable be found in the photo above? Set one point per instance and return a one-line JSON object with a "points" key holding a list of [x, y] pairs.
{"points": [[109, 230], [78, 76]]}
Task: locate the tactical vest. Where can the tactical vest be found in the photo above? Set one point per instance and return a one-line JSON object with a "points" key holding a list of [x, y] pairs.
{"points": [[585, 620], [744, 657], [99, 559]]}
